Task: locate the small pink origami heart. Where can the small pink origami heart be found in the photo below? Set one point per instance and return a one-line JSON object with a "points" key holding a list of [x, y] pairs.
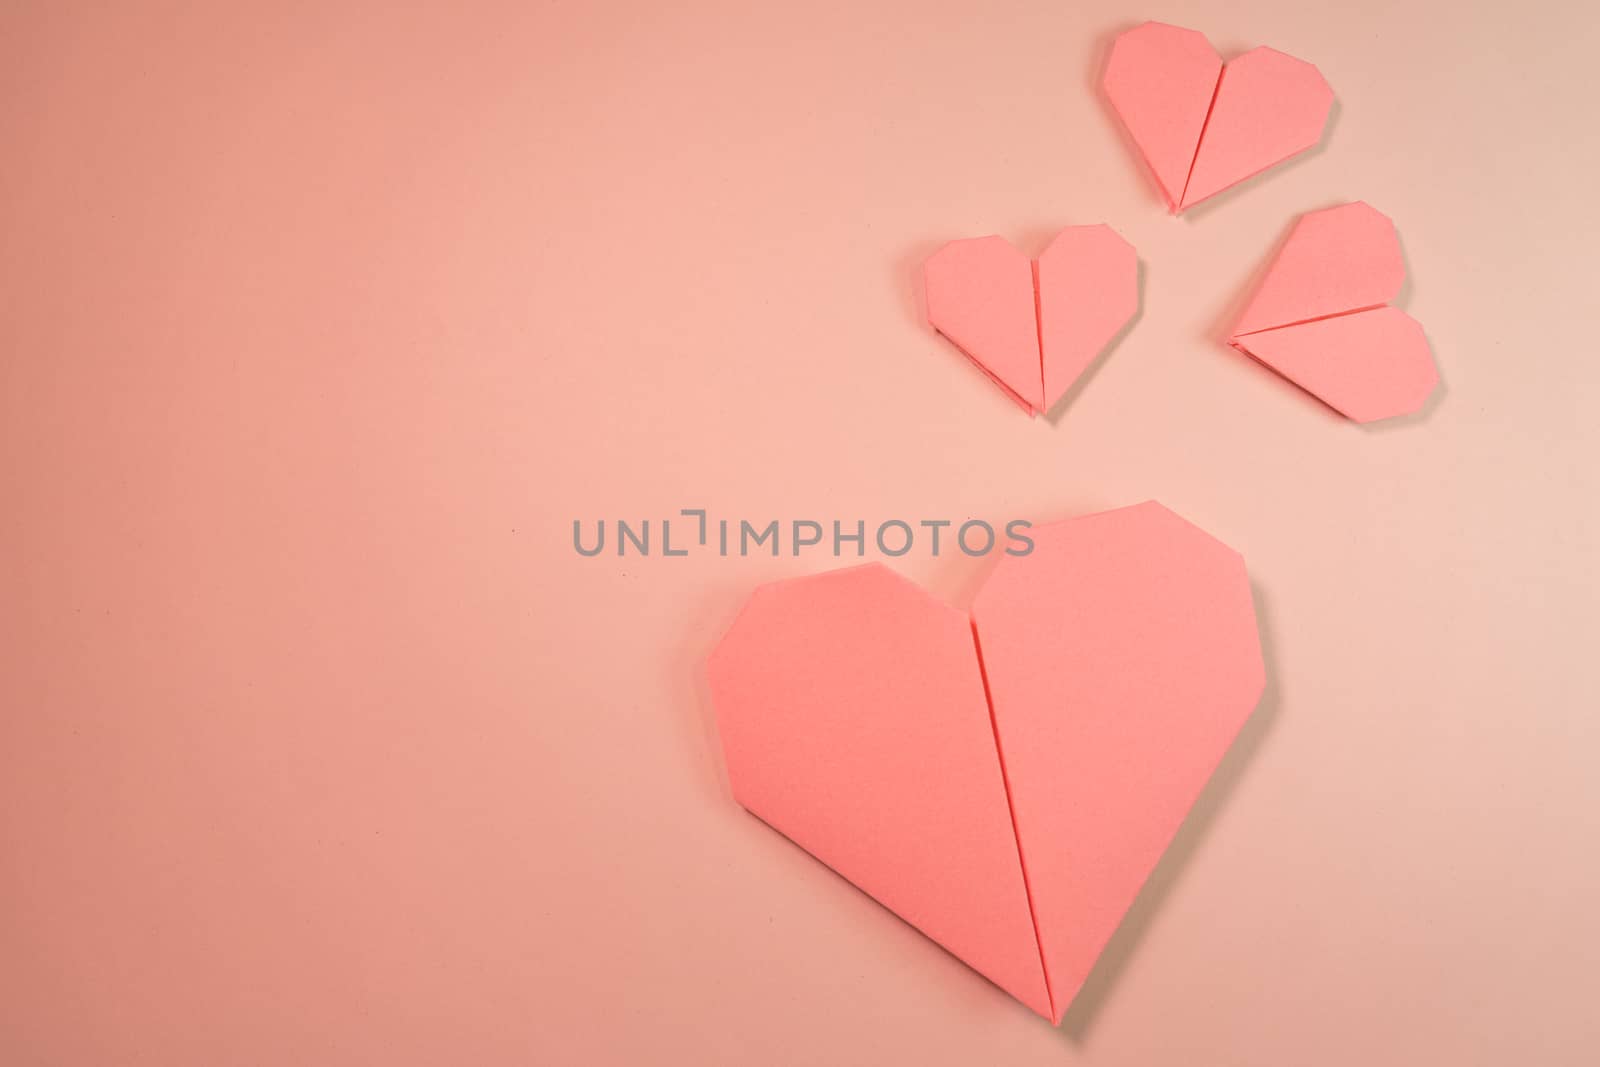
{"points": [[1202, 126], [1004, 781], [1034, 327], [1320, 317]]}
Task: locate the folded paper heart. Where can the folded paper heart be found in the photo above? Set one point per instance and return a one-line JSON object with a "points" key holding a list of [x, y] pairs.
{"points": [[1321, 320], [1004, 781], [1202, 126], [1034, 327]]}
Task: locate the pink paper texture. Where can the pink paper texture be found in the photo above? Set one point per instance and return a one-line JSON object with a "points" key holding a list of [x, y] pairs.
{"points": [[1335, 261], [1318, 317], [1009, 808], [980, 295], [1034, 328], [854, 721], [1203, 127], [1122, 657], [1088, 283], [1160, 79], [1269, 107], [1367, 366], [319, 743]]}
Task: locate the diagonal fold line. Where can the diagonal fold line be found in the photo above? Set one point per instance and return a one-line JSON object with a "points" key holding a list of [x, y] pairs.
{"points": [[1022, 861], [1044, 395], [1314, 318], [1187, 178]]}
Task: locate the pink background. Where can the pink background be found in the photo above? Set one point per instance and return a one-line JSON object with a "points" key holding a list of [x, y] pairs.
{"points": [[318, 327]]}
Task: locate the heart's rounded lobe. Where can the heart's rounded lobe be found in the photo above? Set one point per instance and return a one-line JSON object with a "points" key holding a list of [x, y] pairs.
{"points": [[1088, 281], [1367, 366], [1122, 658], [1160, 80], [980, 295], [854, 722], [1269, 106], [1334, 261]]}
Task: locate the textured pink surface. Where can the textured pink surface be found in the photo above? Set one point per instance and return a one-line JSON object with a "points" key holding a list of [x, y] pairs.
{"points": [[1367, 366], [1122, 659], [1161, 79], [1337, 260], [1269, 107], [853, 719], [1088, 281], [1314, 319], [1203, 126], [319, 325], [1034, 326], [980, 295]]}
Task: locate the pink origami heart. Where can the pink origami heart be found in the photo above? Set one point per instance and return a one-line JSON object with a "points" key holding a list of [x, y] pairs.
{"points": [[1003, 781], [1202, 126], [1321, 320], [1034, 327]]}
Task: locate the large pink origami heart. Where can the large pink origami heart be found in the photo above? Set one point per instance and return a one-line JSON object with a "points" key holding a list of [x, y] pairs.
{"points": [[1321, 320], [1202, 126], [1005, 782], [1034, 327]]}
